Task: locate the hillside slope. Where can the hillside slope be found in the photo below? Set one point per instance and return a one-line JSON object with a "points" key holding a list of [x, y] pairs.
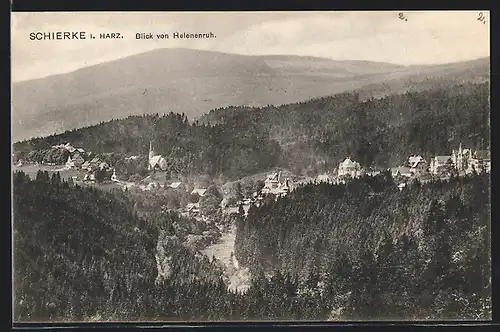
{"points": [[420, 253], [309, 136], [69, 260], [193, 82]]}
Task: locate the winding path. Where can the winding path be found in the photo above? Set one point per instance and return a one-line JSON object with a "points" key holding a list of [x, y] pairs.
{"points": [[239, 278]]}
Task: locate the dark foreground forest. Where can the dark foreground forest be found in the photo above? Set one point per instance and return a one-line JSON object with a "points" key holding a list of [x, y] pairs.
{"points": [[364, 250]]}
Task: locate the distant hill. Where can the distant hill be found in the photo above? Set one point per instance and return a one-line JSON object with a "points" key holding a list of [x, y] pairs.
{"points": [[193, 82]]}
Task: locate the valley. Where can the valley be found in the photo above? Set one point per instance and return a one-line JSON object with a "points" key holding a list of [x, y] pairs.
{"points": [[229, 217], [223, 251]]}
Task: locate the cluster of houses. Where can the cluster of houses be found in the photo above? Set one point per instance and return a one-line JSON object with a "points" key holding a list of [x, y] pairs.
{"points": [[193, 209], [464, 161], [274, 184], [461, 162], [77, 160], [73, 152]]}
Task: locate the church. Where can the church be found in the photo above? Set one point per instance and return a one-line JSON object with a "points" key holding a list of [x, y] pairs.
{"points": [[462, 158], [156, 162]]}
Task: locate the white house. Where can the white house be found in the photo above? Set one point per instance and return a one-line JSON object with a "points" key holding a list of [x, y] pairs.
{"points": [[441, 164], [480, 161], [76, 161], [175, 185], [349, 168], [417, 164], [275, 185], [113, 177], [193, 208], [272, 182], [103, 165], [69, 162], [401, 171], [461, 158]]}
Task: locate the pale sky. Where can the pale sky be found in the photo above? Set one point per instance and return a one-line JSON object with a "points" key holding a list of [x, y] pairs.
{"points": [[425, 38]]}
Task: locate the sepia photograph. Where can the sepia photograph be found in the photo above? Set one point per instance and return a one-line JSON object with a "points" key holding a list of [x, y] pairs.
{"points": [[329, 166]]}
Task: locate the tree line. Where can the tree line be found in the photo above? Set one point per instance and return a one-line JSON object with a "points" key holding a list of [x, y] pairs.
{"points": [[308, 136]]}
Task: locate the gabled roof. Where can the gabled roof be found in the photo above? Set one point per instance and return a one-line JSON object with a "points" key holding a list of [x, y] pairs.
{"points": [[402, 170], [154, 160], [199, 191], [415, 159], [175, 184], [416, 163], [442, 159], [272, 177], [349, 163], [190, 206], [323, 178]]}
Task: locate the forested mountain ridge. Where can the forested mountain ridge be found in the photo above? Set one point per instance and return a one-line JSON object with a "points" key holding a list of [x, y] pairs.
{"points": [[308, 136], [193, 81]]}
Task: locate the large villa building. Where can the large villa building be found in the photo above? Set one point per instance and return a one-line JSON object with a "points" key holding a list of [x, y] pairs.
{"points": [[349, 168], [276, 185], [463, 161]]}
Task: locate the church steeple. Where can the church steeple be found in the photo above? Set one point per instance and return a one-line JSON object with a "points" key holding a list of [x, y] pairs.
{"points": [[151, 152]]}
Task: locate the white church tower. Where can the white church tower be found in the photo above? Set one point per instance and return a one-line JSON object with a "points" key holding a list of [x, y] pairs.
{"points": [[151, 152]]}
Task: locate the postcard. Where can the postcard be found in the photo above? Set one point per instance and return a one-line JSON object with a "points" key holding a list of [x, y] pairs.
{"points": [[251, 166]]}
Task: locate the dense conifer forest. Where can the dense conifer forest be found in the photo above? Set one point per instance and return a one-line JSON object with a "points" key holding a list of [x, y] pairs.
{"points": [[360, 250], [412, 253], [356, 251], [313, 135]]}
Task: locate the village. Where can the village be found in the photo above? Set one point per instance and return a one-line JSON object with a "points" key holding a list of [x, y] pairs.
{"points": [[89, 169]]}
